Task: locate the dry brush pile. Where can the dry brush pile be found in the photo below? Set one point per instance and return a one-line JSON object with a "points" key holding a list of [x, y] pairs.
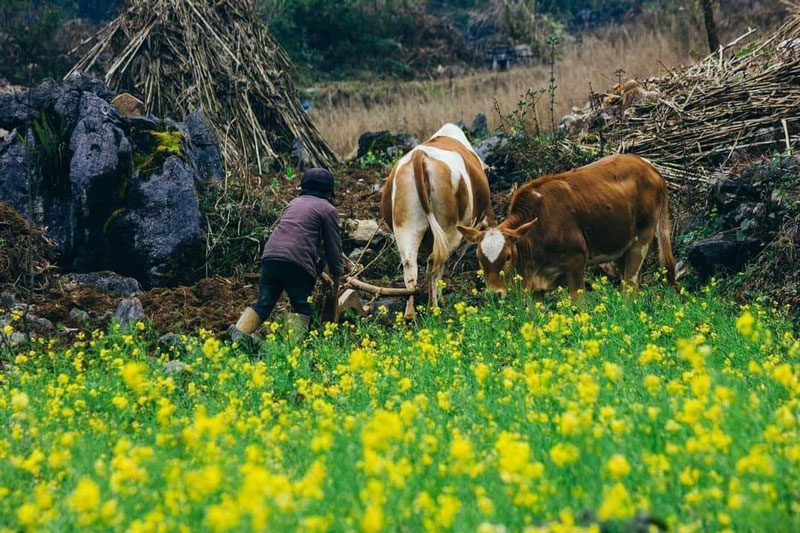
{"points": [[180, 55], [743, 100]]}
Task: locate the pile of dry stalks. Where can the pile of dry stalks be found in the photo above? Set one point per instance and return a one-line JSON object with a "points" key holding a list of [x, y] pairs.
{"points": [[180, 55], [26, 254], [742, 100]]}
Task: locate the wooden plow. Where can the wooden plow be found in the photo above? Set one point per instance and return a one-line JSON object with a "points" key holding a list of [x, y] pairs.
{"points": [[349, 298]]}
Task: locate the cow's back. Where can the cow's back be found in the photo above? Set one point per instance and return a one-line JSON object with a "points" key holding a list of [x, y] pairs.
{"points": [[469, 166], [604, 204]]}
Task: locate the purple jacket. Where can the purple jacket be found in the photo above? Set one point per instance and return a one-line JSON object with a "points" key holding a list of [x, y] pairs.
{"points": [[305, 223]]}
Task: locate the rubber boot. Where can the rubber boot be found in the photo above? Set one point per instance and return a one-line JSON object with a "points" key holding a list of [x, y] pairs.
{"points": [[247, 324], [297, 325]]}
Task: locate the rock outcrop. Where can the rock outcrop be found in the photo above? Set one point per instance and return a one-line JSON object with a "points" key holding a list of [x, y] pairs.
{"points": [[114, 191], [385, 143], [747, 213]]}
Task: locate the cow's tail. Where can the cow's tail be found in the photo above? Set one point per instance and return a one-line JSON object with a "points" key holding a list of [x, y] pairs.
{"points": [[439, 255], [665, 244]]}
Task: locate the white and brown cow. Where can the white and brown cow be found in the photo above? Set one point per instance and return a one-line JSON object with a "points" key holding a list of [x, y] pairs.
{"points": [[557, 225], [433, 189]]}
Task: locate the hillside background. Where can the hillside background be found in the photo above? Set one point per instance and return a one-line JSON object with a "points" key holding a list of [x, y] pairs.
{"points": [[410, 65]]}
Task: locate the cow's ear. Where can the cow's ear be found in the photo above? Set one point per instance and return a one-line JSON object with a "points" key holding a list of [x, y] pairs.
{"points": [[522, 230], [471, 234]]}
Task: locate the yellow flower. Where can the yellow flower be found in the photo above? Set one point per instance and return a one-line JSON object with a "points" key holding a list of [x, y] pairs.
{"points": [[27, 515], [652, 384], [85, 500], [569, 424], [650, 354], [746, 324], [612, 371], [448, 508], [617, 504], [211, 348], [481, 371], [528, 332], [203, 482], [783, 375], [618, 466], [19, 401], [404, 384], [222, 517], [120, 402], [133, 376], [563, 454], [372, 519]]}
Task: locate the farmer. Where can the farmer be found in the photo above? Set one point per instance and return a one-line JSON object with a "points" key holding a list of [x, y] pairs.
{"points": [[291, 261]]}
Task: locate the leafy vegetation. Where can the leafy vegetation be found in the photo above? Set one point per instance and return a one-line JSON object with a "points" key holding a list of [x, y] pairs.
{"points": [[36, 38], [411, 37], [238, 218], [478, 419], [152, 148]]}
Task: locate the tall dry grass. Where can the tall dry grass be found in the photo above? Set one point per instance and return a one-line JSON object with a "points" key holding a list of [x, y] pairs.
{"points": [[344, 111]]}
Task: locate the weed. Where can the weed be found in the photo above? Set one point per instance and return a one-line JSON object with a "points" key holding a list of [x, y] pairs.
{"points": [[153, 148]]}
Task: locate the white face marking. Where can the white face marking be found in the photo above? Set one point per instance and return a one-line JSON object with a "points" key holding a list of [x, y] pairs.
{"points": [[492, 244]]}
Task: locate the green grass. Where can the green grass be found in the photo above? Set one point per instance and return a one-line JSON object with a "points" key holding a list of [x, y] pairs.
{"points": [[469, 420]]}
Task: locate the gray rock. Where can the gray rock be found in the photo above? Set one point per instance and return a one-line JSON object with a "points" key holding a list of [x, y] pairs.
{"points": [[479, 127], [89, 84], [174, 367], [355, 253], [31, 321], [103, 319], [106, 281], [158, 239], [16, 338], [101, 154], [7, 300], [380, 142], [129, 311], [723, 251], [393, 305], [38, 324], [490, 148], [85, 187], [203, 148], [572, 124], [362, 231], [79, 314], [14, 112], [300, 156], [171, 341], [14, 164]]}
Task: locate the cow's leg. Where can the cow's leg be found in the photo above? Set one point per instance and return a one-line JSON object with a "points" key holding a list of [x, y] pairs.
{"points": [[435, 273], [634, 258], [408, 241], [575, 272]]}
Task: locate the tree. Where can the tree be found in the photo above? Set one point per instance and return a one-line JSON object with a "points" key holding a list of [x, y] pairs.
{"points": [[711, 26]]}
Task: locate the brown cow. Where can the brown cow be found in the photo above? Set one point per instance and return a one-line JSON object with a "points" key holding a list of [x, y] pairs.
{"points": [[557, 225], [430, 191]]}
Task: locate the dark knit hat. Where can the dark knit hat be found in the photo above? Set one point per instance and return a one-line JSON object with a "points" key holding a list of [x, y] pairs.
{"points": [[317, 179]]}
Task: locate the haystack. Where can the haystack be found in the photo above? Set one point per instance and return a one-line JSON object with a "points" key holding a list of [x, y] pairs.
{"points": [[180, 55], [742, 100]]}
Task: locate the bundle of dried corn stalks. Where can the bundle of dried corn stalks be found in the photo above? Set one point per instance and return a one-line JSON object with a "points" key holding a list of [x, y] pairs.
{"points": [[215, 55], [742, 99]]}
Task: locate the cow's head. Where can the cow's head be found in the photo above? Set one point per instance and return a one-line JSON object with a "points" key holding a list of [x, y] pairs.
{"points": [[497, 252]]}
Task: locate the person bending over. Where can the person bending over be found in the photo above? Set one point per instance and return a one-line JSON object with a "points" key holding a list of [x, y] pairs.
{"points": [[290, 261]]}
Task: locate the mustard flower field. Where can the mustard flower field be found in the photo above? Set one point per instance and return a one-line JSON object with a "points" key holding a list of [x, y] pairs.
{"points": [[499, 418]]}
